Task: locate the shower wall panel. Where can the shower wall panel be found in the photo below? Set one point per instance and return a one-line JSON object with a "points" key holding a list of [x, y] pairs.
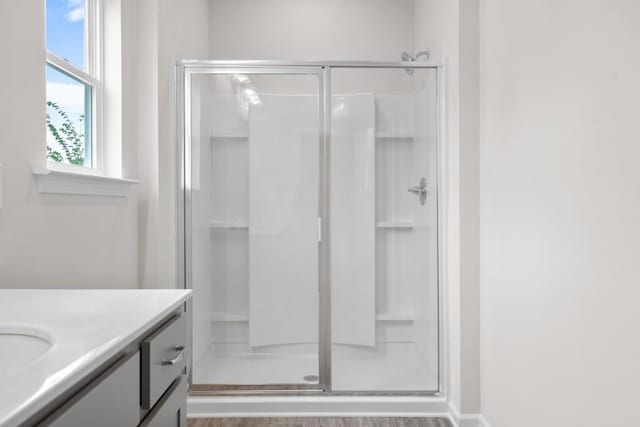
{"points": [[373, 150], [353, 220], [202, 270], [283, 220], [424, 271]]}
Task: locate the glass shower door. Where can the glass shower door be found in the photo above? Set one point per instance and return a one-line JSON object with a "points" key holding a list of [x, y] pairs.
{"points": [[384, 230], [253, 187]]}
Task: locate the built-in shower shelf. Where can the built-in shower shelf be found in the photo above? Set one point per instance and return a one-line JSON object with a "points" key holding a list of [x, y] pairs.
{"points": [[240, 136], [245, 225], [229, 317], [395, 317], [243, 136], [229, 225], [244, 317], [395, 224], [395, 135]]}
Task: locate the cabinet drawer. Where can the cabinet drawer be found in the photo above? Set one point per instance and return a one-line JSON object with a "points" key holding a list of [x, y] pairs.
{"points": [[110, 400], [163, 359], [171, 410]]}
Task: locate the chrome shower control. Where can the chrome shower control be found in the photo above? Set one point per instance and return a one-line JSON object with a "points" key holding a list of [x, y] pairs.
{"points": [[420, 190]]}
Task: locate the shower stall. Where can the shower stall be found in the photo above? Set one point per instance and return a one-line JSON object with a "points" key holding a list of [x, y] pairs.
{"points": [[310, 225]]}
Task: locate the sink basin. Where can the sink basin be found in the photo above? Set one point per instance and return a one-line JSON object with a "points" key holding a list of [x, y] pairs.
{"points": [[22, 345]]}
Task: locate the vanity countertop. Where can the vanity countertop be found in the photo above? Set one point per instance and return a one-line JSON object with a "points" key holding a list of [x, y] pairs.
{"points": [[85, 328]]}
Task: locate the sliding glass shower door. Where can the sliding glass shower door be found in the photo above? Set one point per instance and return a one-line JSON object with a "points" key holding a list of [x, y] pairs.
{"points": [[384, 234], [311, 226], [254, 180]]}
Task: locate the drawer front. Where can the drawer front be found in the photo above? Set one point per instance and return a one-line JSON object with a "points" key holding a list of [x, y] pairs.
{"points": [[110, 400], [171, 410], [163, 359]]}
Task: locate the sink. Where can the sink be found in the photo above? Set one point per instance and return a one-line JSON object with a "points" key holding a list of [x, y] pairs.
{"points": [[22, 345]]}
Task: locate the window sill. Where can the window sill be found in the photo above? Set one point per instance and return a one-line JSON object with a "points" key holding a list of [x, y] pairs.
{"points": [[87, 184]]}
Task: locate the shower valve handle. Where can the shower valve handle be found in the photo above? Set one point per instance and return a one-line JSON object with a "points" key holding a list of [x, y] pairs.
{"points": [[420, 190]]}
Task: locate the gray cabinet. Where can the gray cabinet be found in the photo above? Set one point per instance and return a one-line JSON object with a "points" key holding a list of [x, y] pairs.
{"points": [[163, 359], [171, 409], [145, 386], [110, 400]]}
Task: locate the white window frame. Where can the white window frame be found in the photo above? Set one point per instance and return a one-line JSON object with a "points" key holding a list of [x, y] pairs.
{"points": [[92, 76]]}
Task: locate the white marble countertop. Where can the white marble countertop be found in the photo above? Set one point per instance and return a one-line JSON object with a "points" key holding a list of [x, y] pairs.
{"points": [[87, 327]]}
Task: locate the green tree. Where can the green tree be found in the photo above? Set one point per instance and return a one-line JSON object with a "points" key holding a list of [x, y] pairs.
{"points": [[67, 136]]}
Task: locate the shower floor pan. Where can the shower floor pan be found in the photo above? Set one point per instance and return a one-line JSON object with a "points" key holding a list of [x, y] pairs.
{"points": [[387, 367]]}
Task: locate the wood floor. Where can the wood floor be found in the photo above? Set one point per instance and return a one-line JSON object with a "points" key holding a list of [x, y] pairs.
{"points": [[320, 422]]}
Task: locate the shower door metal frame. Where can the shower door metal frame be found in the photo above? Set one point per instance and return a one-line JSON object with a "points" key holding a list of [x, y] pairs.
{"points": [[184, 71], [187, 73]]}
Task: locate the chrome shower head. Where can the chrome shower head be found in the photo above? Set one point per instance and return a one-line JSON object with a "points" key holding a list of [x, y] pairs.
{"points": [[407, 57]]}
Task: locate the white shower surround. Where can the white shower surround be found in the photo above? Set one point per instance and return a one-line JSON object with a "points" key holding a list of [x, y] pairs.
{"points": [[350, 405]]}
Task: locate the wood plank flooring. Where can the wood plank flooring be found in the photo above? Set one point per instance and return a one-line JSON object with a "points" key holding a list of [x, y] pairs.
{"points": [[320, 422]]}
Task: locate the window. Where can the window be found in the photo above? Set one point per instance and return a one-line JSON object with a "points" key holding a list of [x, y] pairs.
{"points": [[73, 83]]}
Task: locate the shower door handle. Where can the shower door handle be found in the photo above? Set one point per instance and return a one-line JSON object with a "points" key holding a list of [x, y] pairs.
{"points": [[420, 190]]}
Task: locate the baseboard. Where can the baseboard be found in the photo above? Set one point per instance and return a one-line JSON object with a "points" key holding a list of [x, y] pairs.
{"points": [[312, 406], [466, 420], [330, 406]]}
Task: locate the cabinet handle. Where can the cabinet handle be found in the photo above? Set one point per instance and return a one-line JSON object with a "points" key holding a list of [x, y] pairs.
{"points": [[178, 357]]}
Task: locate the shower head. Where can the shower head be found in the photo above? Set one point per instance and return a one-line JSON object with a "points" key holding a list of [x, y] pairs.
{"points": [[407, 57]]}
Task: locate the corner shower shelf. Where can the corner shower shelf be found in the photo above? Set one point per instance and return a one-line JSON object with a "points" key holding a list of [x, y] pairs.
{"points": [[240, 225], [240, 136], [243, 136], [229, 317], [229, 225], [395, 317], [395, 135], [395, 224], [244, 317]]}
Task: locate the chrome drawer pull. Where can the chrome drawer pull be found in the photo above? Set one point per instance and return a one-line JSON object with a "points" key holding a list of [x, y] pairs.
{"points": [[177, 358]]}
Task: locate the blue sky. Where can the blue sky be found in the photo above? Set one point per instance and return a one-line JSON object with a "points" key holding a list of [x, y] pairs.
{"points": [[65, 28], [65, 38]]}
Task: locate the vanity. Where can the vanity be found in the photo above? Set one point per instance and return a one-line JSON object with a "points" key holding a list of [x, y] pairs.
{"points": [[73, 358]]}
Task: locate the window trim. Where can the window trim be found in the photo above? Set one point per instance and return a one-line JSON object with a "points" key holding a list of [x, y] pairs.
{"points": [[105, 177], [92, 76]]}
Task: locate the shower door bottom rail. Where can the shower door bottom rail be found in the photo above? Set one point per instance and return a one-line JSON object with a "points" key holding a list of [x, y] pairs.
{"points": [[244, 389], [292, 390]]}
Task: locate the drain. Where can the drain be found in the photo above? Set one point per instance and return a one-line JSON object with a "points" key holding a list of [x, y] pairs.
{"points": [[310, 378]]}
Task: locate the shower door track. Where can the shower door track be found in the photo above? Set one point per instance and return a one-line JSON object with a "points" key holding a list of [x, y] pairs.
{"points": [[184, 70]]}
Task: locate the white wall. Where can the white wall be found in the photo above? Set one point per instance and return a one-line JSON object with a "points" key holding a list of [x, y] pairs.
{"points": [[50, 240], [78, 241], [167, 31], [560, 202], [470, 359], [295, 30], [449, 29]]}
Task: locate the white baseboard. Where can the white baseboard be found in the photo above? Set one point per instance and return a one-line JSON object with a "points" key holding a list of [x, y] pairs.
{"points": [[466, 420], [314, 406], [330, 406]]}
